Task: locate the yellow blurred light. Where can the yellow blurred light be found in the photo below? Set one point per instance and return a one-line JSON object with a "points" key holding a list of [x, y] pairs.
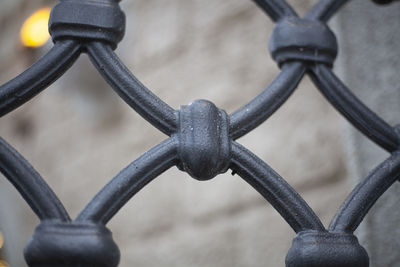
{"points": [[1, 241], [4, 264], [34, 31]]}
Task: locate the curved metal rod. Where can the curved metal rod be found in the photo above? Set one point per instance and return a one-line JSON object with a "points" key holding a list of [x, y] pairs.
{"points": [[364, 196], [268, 101], [276, 9], [353, 109], [324, 9], [130, 89], [40, 75], [274, 189], [30, 185], [130, 181]]}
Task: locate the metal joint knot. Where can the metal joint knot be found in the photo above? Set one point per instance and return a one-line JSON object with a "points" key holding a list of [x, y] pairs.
{"points": [[204, 142], [72, 244], [296, 39], [101, 20], [313, 248]]}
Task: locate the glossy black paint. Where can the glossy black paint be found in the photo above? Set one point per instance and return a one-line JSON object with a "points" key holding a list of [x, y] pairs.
{"points": [[201, 138], [204, 143], [306, 40], [87, 21]]}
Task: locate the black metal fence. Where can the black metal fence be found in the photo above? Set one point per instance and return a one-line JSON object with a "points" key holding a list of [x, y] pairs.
{"points": [[201, 137]]}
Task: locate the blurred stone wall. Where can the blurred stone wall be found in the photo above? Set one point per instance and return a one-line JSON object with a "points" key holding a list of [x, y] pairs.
{"points": [[365, 29], [78, 134]]}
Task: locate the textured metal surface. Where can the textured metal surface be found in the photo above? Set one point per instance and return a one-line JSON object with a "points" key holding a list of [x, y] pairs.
{"points": [[201, 138]]}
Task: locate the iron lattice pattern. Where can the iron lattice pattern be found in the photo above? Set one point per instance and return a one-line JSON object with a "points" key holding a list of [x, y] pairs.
{"points": [[201, 137]]}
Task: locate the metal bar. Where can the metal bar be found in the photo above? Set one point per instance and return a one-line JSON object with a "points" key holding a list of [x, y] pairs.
{"points": [[201, 139], [353, 109], [268, 101], [130, 181], [364, 196], [274, 189], [131, 90], [30, 185], [40, 75], [276, 9]]}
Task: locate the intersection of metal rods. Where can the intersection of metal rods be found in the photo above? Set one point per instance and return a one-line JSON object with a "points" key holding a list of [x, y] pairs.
{"points": [[201, 137]]}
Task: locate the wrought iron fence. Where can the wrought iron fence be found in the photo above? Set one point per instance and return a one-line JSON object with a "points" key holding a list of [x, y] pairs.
{"points": [[201, 137]]}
